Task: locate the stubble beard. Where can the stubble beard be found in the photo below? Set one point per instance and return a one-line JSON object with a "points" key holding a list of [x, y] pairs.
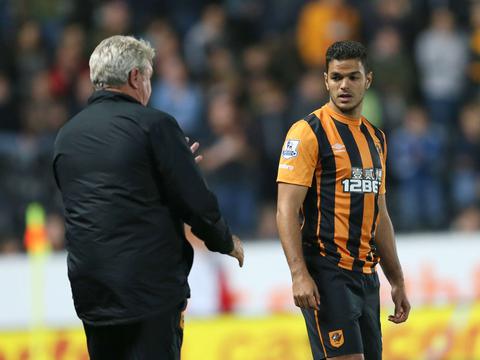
{"points": [[350, 109]]}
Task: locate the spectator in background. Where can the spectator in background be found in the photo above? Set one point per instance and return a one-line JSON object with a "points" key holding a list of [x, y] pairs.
{"points": [[55, 229], [112, 17], [25, 167], [10, 245], [415, 149], [244, 17], [208, 32], [257, 61], [183, 14], [81, 92], [321, 23], [69, 61], [6, 23], [56, 116], [8, 111], [442, 58], [49, 14], [263, 19], [372, 108], [465, 177], [271, 123], [394, 74], [164, 39], [40, 89], [270, 59], [468, 220], [174, 93], [474, 65], [229, 162], [278, 16], [309, 92], [30, 58], [222, 71], [398, 14]]}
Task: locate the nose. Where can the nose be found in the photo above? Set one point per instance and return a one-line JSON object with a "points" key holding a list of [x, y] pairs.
{"points": [[344, 83]]}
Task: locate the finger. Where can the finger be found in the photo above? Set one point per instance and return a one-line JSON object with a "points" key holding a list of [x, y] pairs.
{"points": [[407, 310], [305, 302], [194, 147], [398, 312], [404, 313], [398, 308], [301, 302], [187, 138], [312, 302], [298, 300], [392, 319], [398, 317], [198, 158], [295, 301], [240, 259], [395, 320]]}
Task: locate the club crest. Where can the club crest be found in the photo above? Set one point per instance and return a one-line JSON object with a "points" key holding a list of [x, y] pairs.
{"points": [[336, 338]]}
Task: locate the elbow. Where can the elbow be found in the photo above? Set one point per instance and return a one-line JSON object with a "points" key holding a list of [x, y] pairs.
{"points": [[280, 214], [286, 212]]}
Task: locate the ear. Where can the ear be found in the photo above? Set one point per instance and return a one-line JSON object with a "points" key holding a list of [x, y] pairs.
{"points": [[369, 80], [325, 76], [133, 78]]}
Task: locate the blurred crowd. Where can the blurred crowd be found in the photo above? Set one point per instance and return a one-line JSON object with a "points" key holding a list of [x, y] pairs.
{"points": [[236, 74]]}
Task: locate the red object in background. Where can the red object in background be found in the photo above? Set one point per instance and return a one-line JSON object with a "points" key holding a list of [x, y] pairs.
{"points": [[226, 295]]}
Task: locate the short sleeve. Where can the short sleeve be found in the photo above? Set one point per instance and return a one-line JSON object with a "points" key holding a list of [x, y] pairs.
{"points": [[299, 156]]}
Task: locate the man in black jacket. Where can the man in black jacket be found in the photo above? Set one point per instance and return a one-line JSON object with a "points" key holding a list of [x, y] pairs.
{"points": [[129, 182]]}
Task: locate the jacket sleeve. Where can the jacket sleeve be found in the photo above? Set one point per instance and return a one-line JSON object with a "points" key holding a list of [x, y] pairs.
{"points": [[185, 187]]}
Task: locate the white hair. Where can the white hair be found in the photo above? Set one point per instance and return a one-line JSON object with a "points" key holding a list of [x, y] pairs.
{"points": [[114, 58]]}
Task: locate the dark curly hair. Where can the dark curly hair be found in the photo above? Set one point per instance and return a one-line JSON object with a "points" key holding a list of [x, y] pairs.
{"points": [[346, 50]]}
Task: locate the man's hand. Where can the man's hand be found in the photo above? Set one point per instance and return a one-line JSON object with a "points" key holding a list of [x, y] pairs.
{"points": [[305, 291], [237, 251], [194, 147], [402, 306]]}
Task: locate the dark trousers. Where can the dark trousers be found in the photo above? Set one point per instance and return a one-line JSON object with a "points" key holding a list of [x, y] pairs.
{"points": [[158, 337]]}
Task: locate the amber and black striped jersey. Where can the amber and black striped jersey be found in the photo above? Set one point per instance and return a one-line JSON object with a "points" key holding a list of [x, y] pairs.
{"points": [[342, 161]]}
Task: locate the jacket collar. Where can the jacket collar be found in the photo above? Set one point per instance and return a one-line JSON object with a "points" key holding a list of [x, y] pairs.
{"points": [[106, 95]]}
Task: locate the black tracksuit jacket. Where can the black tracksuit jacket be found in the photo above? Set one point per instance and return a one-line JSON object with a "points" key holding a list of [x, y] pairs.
{"points": [[129, 181]]}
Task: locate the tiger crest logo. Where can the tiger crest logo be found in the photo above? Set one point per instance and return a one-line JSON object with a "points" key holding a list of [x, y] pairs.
{"points": [[336, 338]]}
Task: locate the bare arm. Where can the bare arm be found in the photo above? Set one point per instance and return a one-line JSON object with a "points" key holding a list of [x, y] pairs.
{"points": [[290, 200], [390, 263]]}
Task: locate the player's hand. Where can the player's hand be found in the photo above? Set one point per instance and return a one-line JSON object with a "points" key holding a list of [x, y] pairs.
{"points": [[237, 251], [402, 305], [194, 147], [305, 291]]}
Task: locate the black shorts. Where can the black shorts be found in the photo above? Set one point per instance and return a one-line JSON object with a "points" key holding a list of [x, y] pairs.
{"points": [[348, 321], [158, 337]]}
